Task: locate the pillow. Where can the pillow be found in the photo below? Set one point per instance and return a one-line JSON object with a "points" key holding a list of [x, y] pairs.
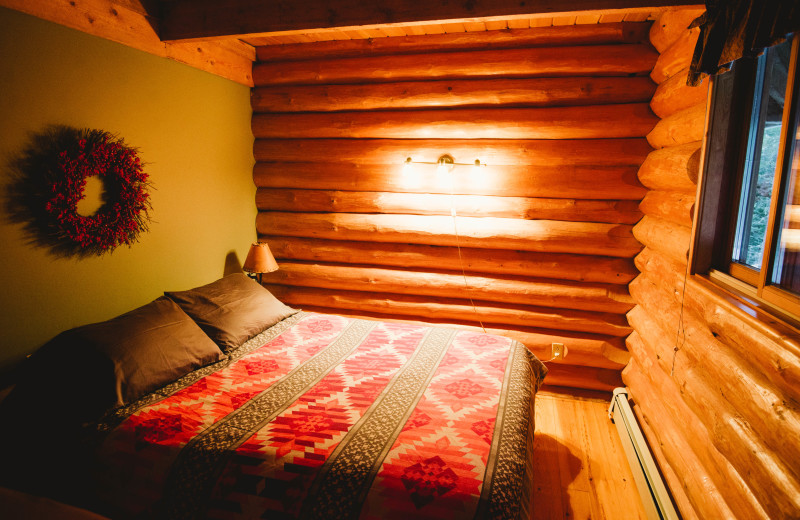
{"points": [[81, 373], [232, 310], [149, 347]]}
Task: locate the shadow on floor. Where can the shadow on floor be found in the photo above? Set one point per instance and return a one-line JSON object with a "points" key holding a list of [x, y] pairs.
{"points": [[554, 468]]}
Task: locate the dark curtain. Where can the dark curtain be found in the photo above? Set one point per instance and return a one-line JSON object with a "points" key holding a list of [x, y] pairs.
{"points": [[731, 29]]}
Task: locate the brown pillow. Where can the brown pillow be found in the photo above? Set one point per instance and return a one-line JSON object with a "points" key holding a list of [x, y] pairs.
{"points": [[232, 310], [82, 372], [78, 375], [149, 347]]}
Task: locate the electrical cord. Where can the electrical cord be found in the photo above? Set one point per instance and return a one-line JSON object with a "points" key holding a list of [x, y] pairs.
{"points": [[551, 359], [681, 328], [454, 214]]}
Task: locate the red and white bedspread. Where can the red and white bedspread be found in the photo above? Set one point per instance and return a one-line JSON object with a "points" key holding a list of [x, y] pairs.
{"points": [[329, 417]]}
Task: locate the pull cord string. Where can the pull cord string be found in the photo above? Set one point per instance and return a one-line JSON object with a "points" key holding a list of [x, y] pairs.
{"points": [[454, 214], [681, 327]]}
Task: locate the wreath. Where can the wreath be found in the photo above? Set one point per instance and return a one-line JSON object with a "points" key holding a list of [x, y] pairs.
{"points": [[60, 161]]}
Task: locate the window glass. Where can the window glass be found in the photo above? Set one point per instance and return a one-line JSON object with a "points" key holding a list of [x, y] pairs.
{"points": [[786, 270], [747, 236], [761, 158]]}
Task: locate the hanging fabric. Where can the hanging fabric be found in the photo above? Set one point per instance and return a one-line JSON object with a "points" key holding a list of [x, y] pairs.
{"points": [[732, 29]]}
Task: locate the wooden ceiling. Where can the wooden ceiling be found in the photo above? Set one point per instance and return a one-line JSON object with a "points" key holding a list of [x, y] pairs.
{"points": [[450, 27], [184, 20], [220, 36]]}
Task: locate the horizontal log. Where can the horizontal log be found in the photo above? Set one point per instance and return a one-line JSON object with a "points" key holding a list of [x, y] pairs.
{"points": [[585, 350], [694, 494], [611, 211], [674, 207], [508, 38], [654, 261], [671, 240], [444, 309], [764, 343], [674, 95], [676, 57], [680, 444], [449, 284], [672, 479], [549, 236], [587, 122], [649, 374], [679, 128], [560, 181], [675, 168], [671, 25], [652, 347], [494, 152], [529, 92], [507, 262], [588, 378], [749, 450], [590, 60], [729, 385]]}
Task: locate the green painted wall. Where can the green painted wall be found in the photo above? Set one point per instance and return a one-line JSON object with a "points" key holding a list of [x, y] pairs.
{"points": [[193, 130]]}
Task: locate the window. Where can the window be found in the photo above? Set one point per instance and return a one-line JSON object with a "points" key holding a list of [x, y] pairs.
{"points": [[748, 232]]}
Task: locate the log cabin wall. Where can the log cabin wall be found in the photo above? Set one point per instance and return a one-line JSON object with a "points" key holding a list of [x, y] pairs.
{"points": [[558, 114], [716, 389]]}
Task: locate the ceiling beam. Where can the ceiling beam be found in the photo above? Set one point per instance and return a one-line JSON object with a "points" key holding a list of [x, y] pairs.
{"points": [[130, 23], [185, 20]]}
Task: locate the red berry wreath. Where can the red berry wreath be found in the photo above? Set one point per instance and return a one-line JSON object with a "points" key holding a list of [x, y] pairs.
{"points": [[123, 213]]}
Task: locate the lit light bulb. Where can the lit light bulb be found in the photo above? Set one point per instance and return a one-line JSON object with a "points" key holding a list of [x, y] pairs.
{"points": [[408, 166], [477, 175]]}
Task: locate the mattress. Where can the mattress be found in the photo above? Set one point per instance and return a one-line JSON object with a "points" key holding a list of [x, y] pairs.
{"points": [[323, 416]]}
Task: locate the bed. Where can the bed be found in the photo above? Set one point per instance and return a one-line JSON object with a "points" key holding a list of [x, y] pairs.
{"points": [[313, 416]]}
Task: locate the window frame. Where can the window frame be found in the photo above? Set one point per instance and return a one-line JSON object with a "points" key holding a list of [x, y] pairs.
{"points": [[724, 150]]}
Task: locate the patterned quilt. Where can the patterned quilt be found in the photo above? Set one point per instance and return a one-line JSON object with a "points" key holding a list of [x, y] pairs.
{"points": [[329, 417]]}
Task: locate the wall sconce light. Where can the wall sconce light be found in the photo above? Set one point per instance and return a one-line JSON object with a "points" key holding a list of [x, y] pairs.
{"points": [[445, 163], [408, 166], [259, 260]]}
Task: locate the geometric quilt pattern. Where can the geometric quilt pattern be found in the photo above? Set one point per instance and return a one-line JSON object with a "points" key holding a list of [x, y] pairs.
{"points": [[401, 421]]}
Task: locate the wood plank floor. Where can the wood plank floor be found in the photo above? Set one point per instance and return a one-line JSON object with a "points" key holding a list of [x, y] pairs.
{"points": [[580, 469]]}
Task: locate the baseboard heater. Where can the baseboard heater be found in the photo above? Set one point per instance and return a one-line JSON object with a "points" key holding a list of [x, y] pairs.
{"points": [[655, 497]]}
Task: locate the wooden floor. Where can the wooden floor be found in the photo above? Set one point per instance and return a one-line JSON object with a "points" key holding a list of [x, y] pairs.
{"points": [[580, 469]]}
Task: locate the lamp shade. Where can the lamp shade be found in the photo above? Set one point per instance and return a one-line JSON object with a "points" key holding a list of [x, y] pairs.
{"points": [[260, 260]]}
